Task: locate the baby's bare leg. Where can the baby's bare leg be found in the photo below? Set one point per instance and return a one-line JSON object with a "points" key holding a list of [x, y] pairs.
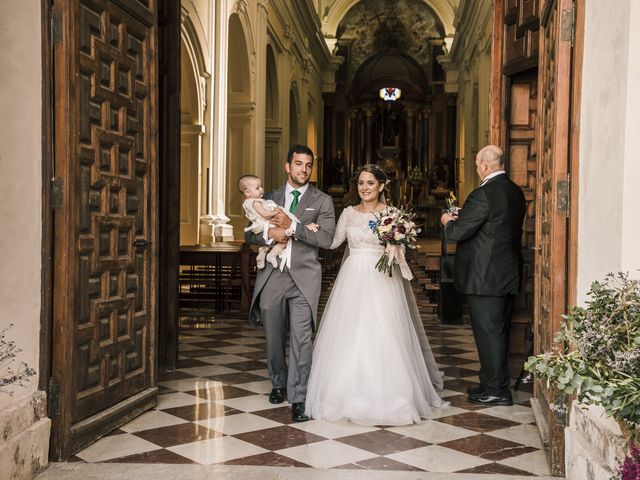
{"points": [[262, 253]]}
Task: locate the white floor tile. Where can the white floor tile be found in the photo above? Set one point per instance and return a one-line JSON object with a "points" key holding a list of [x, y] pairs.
{"points": [[239, 423], [433, 432], [332, 429], [236, 349], [222, 359], [252, 403], [185, 384], [525, 434], [264, 386], [205, 371], [151, 419], [244, 340], [534, 462], [326, 454], [515, 413], [115, 446], [216, 450], [179, 399], [438, 459]]}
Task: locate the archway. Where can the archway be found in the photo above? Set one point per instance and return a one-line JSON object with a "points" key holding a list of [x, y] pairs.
{"points": [[240, 115], [273, 157], [293, 116], [191, 136]]}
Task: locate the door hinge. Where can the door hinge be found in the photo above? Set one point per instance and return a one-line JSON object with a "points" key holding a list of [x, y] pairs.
{"points": [[563, 196], [568, 25], [54, 399], [56, 192], [56, 27]]}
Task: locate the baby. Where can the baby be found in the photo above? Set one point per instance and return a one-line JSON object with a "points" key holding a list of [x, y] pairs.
{"points": [[259, 211]]}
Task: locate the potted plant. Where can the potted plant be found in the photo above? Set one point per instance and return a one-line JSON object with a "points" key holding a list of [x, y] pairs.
{"points": [[596, 356]]}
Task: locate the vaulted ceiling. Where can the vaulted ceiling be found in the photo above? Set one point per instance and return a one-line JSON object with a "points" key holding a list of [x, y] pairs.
{"points": [[333, 12]]}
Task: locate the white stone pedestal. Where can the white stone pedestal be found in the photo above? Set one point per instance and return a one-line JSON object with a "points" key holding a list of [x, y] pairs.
{"points": [[24, 442], [594, 444]]}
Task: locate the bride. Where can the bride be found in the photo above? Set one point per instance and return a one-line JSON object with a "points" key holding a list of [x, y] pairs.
{"points": [[372, 363]]}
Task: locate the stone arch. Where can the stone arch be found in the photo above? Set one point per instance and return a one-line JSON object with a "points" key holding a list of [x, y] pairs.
{"points": [[273, 157], [239, 65], [294, 111], [272, 113]]}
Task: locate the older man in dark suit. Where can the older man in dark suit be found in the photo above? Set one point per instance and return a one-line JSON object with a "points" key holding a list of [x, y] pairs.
{"points": [[488, 268]]}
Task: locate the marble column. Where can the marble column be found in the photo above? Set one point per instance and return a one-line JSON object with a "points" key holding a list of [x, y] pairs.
{"points": [[424, 157], [368, 135], [261, 87], [353, 141], [409, 144], [218, 145]]}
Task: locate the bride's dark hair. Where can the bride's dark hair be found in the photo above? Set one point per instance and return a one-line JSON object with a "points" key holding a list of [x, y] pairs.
{"points": [[378, 174]]}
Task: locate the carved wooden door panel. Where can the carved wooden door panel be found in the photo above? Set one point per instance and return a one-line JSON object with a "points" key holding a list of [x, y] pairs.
{"points": [[552, 208], [103, 357]]}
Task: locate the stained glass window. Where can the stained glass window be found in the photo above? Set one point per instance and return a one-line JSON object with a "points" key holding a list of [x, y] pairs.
{"points": [[390, 94]]}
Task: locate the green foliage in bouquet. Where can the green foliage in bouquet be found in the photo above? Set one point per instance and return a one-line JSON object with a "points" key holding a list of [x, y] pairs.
{"points": [[597, 351]]}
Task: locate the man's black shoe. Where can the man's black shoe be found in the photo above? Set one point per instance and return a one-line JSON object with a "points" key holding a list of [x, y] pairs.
{"points": [[276, 395], [297, 412], [475, 392], [491, 400]]}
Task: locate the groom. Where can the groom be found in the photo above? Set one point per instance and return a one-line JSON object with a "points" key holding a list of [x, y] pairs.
{"points": [[488, 268], [287, 300]]}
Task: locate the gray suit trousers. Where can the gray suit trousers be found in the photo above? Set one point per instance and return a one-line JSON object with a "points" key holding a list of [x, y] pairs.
{"points": [[282, 303]]}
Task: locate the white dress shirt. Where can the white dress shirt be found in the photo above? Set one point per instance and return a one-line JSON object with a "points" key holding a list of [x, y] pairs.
{"points": [[491, 175], [288, 200]]}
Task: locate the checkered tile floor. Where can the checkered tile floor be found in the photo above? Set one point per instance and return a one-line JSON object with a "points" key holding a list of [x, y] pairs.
{"points": [[214, 410]]}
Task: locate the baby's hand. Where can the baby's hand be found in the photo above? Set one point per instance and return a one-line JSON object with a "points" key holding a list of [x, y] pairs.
{"points": [[314, 227]]}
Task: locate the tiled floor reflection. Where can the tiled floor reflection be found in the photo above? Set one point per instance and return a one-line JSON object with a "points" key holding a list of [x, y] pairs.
{"points": [[214, 410]]}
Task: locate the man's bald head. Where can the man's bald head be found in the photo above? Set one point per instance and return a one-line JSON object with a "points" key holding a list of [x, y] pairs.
{"points": [[488, 160]]}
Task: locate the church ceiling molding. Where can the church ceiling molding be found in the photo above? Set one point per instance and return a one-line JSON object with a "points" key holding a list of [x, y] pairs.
{"points": [[444, 10]]}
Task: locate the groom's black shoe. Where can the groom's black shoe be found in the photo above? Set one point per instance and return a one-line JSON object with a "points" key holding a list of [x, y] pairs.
{"points": [[297, 412], [277, 395], [492, 400]]}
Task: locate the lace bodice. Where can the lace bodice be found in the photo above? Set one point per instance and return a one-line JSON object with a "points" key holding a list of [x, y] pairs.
{"points": [[355, 228]]}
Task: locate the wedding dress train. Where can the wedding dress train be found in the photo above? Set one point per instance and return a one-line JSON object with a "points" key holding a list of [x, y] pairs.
{"points": [[371, 364]]}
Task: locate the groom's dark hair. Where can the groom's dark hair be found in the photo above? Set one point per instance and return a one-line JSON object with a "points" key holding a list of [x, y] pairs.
{"points": [[299, 149]]}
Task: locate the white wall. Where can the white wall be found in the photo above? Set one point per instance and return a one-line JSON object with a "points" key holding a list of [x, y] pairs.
{"points": [[20, 181], [609, 218]]}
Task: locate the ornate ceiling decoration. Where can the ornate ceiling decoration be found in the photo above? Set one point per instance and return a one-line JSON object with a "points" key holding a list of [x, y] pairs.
{"points": [[384, 26]]}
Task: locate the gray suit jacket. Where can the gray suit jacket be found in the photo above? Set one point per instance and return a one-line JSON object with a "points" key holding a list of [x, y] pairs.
{"points": [[314, 207]]}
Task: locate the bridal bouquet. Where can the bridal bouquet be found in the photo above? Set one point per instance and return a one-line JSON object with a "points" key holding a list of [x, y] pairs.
{"points": [[397, 231]]}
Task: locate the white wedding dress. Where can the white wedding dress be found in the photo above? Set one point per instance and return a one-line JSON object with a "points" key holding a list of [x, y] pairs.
{"points": [[372, 363]]}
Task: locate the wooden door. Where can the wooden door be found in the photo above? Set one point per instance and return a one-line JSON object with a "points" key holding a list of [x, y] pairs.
{"points": [[514, 105], [521, 123], [104, 315], [552, 209]]}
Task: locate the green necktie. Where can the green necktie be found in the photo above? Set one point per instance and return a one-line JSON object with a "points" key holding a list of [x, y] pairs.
{"points": [[294, 203]]}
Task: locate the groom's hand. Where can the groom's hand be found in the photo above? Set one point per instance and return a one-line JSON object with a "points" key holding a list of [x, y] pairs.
{"points": [[446, 218], [281, 220], [277, 234]]}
